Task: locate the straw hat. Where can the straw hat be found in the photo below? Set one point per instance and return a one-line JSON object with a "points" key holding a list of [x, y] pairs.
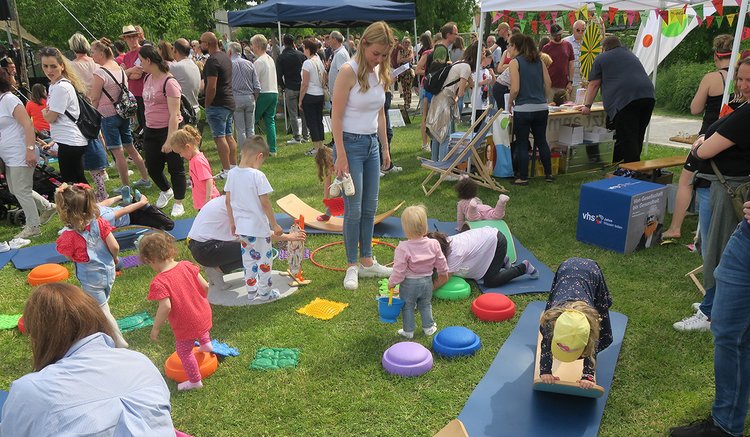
{"points": [[128, 30]]}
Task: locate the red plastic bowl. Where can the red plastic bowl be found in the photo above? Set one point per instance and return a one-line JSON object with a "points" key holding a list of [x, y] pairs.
{"points": [[493, 307]]}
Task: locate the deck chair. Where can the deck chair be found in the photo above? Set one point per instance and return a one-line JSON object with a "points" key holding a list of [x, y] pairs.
{"points": [[463, 152], [692, 275]]}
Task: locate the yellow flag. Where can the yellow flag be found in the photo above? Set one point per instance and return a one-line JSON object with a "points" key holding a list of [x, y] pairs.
{"points": [[730, 18], [584, 12]]}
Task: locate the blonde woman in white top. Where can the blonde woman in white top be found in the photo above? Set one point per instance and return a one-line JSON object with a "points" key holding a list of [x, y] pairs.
{"points": [[358, 121]]}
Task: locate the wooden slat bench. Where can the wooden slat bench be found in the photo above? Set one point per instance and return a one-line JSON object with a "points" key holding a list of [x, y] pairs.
{"points": [[649, 165]]}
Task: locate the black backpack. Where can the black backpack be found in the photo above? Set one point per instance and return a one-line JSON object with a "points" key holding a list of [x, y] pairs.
{"points": [[437, 71], [186, 108], [89, 119]]}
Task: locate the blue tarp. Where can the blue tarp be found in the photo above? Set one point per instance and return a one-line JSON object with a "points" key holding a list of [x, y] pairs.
{"points": [[322, 13]]}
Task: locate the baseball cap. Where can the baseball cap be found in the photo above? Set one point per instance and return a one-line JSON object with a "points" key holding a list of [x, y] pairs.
{"points": [[570, 336], [555, 29]]}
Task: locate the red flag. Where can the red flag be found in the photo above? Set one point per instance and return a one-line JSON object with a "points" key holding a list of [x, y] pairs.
{"points": [[554, 15], [664, 16], [511, 22], [520, 15], [612, 11], [631, 17], [572, 17], [543, 15], [719, 5], [745, 33], [709, 20], [547, 25], [533, 25]]}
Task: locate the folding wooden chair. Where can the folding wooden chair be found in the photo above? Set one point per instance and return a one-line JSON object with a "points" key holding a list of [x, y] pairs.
{"points": [[463, 152], [691, 274]]}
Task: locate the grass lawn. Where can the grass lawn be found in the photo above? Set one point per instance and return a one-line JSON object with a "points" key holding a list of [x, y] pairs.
{"points": [[663, 378]]}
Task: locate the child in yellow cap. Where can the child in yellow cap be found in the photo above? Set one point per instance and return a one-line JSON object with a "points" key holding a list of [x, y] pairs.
{"points": [[576, 322]]}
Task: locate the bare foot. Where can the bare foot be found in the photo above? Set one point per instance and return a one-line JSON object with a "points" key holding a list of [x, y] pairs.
{"points": [[671, 234]]}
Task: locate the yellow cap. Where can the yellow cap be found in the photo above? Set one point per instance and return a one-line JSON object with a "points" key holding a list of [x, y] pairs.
{"points": [[570, 336]]}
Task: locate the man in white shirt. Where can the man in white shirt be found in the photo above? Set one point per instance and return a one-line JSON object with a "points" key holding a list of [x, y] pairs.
{"points": [[186, 72], [340, 57], [575, 40]]}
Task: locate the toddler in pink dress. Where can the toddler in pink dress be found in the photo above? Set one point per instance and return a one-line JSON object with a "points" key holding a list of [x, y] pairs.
{"points": [[470, 207]]}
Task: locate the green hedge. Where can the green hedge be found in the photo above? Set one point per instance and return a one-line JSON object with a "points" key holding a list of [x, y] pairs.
{"points": [[677, 83]]}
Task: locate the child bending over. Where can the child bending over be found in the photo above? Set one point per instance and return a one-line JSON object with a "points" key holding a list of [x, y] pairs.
{"points": [[251, 217], [88, 242], [576, 322], [186, 142], [413, 263], [470, 207], [181, 292], [140, 213]]}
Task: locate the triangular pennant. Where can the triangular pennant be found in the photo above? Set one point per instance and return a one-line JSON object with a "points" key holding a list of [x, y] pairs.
{"points": [[745, 33], [495, 17], [554, 15], [719, 21], [542, 16], [612, 11], [584, 12], [598, 8], [719, 5], [739, 3], [709, 20], [520, 15], [676, 15], [547, 25], [618, 18], [522, 24], [534, 24], [572, 17], [560, 21], [664, 16], [643, 15], [700, 20], [631, 17], [730, 19], [698, 10], [511, 22]]}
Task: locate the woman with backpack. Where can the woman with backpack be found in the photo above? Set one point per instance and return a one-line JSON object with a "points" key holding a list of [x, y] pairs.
{"points": [[110, 86], [161, 98], [62, 111]]}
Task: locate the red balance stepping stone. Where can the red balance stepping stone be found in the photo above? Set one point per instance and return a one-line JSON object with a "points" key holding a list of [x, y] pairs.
{"points": [[493, 307]]}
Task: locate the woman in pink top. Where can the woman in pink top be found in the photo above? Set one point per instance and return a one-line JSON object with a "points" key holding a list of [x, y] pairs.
{"points": [[161, 98], [470, 207], [185, 142], [181, 292], [413, 263]]}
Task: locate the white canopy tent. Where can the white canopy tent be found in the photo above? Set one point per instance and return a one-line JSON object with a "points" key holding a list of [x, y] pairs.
{"points": [[623, 5]]}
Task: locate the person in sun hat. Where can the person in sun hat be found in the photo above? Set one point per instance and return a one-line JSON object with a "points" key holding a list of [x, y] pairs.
{"points": [[575, 323]]}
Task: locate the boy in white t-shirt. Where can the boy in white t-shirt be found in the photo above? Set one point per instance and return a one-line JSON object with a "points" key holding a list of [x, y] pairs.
{"points": [[251, 217]]}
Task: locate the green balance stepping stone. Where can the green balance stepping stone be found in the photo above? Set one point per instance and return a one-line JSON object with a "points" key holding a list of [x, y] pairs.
{"points": [[136, 321], [455, 289], [275, 358]]}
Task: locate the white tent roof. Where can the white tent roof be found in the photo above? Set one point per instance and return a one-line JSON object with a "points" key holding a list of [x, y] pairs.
{"points": [[562, 5]]}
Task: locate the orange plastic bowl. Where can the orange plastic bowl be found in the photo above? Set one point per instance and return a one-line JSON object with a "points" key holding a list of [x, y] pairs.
{"points": [[207, 363], [46, 273]]}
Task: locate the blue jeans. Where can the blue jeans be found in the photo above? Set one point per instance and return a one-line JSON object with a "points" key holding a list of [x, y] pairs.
{"points": [[731, 328], [219, 120], [417, 293], [439, 150], [359, 210], [704, 221], [536, 124]]}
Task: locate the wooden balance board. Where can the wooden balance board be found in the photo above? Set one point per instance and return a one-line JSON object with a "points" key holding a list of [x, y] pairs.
{"points": [[569, 374], [295, 207]]}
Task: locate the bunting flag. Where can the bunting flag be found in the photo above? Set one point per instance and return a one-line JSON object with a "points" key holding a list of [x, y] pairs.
{"points": [[719, 5], [511, 22], [612, 11], [560, 21], [745, 33], [730, 19], [719, 21], [709, 19], [496, 17], [676, 15], [522, 25], [664, 16], [547, 25], [583, 12], [520, 15], [572, 17], [699, 11], [669, 36], [618, 18], [598, 8], [534, 24], [700, 20], [554, 15], [643, 15], [542, 16], [631, 17]]}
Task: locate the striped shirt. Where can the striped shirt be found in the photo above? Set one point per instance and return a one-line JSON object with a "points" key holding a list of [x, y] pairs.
{"points": [[244, 78]]}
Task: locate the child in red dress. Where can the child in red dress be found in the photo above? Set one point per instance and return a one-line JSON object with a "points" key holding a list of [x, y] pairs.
{"points": [[181, 292]]}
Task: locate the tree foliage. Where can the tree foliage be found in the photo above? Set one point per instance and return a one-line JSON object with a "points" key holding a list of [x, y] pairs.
{"points": [[432, 14]]}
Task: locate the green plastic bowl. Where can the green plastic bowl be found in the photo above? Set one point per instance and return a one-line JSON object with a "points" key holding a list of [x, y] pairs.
{"points": [[455, 289]]}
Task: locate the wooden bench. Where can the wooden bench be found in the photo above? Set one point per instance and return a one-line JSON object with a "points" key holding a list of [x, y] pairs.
{"points": [[649, 165]]}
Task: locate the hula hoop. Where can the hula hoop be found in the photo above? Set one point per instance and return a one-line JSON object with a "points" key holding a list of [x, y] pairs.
{"points": [[338, 269]]}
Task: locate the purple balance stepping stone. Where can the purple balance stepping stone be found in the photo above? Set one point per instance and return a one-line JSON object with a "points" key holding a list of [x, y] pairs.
{"points": [[456, 341], [130, 261], [407, 359]]}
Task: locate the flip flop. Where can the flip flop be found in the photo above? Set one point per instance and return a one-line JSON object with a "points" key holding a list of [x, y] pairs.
{"points": [[665, 242]]}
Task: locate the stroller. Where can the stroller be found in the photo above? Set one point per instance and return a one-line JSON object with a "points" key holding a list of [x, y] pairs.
{"points": [[46, 181]]}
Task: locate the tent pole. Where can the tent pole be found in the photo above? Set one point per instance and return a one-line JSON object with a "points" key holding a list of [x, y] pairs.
{"points": [[477, 71], [735, 52], [23, 74], [286, 122], [653, 77], [415, 38]]}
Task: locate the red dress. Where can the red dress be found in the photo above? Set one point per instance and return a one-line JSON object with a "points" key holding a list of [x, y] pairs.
{"points": [[190, 316]]}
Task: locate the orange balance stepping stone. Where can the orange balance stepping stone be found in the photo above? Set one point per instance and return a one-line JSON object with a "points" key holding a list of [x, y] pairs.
{"points": [[46, 273]]}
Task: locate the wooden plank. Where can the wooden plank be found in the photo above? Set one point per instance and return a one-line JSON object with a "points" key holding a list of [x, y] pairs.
{"points": [[454, 428], [653, 164], [295, 207], [569, 374]]}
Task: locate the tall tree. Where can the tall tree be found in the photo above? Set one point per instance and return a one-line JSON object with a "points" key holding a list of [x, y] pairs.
{"points": [[432, 14]]}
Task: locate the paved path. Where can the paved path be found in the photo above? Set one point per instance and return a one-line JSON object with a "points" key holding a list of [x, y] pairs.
{"points": [[662, 127]]}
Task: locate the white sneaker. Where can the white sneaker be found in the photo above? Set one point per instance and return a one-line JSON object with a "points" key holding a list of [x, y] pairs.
{"points": [[374, 271], [450, 178], [351, 280], [4, 247], [393, 169], [47, 214], [294, 141], [271, 295], [177, 210], [696, 306], [17, 243], [348, 185], [696, 322], [28, 232], [405, 334], [431, 330], [164, 198], [426, 147], [334, 190], [221, 175]]}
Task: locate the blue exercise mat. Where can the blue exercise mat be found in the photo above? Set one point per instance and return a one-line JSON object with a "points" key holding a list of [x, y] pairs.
{"points": [[524, 284], [32, 256], [5, 257], [3, 397], [388, 228], [504, 402]]}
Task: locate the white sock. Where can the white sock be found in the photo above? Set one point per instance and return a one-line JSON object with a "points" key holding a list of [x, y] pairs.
{"points": [[187, 385]]}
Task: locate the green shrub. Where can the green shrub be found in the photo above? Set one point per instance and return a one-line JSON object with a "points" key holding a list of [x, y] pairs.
{"points": [[677, 83]]}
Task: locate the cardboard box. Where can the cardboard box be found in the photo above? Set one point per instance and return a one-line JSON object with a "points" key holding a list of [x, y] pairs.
{"points": [[572, 134], [598, 134], [621, 214]]}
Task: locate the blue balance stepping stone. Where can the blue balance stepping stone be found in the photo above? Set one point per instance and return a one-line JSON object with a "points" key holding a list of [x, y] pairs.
{"points": [[456, 341]]}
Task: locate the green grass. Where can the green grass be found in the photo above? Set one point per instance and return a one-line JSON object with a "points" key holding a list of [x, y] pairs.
{"points": [[663, 377]]}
